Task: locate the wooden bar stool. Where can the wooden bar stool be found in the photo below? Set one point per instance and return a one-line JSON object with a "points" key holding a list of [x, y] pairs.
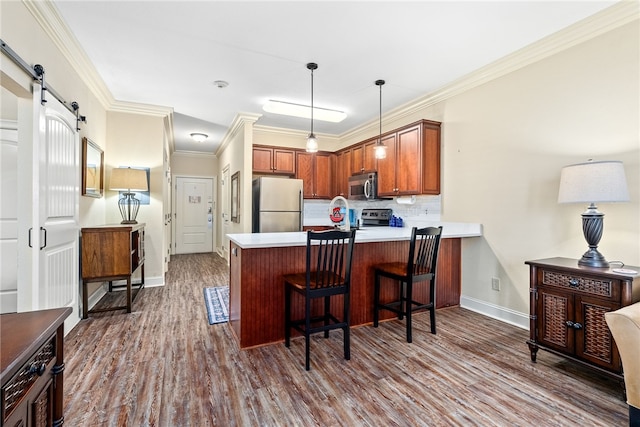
{"points": [[419, 268], [327, 274]]}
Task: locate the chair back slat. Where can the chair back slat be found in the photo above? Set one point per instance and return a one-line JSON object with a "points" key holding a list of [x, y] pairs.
{"points": [[423, 250], [333, 258]]}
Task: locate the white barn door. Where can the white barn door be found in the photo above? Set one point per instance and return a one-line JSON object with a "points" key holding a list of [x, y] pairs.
{"points": [[54, 234]]}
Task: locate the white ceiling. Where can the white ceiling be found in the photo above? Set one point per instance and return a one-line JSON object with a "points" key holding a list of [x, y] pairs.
{"points": [[169, 53]]}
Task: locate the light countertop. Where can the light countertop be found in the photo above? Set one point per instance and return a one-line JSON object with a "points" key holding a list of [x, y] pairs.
{"points": [[363, 235]]}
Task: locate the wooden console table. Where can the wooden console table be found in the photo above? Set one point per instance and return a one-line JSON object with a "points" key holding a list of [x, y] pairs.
{"points": [[111, 252], [32, 365], [567, 306]]}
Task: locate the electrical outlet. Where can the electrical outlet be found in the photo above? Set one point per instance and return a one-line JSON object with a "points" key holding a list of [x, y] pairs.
{"points": [[495, 283]]}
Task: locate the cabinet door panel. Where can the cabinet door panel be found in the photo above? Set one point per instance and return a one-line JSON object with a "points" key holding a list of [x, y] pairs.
{"points": [[342, 173], [304, 171], [368, 157], [408, 172], [387, 168], [554, 310], [283, 161], [323, 172], [357, 159], [262, 159], [594, 341], [431, 159]]}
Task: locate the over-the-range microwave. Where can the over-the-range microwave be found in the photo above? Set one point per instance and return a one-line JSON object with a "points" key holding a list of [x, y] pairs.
{"points": [[363, 186]]}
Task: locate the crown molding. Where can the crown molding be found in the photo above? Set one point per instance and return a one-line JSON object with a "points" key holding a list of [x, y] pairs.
{"points": [[194, 154], [48, 17], [136, 108], [239, 121], [291, 132], [613, 17]]}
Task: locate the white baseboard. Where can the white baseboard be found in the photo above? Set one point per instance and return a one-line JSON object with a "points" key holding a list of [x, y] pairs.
{"points": [[497, 312]]}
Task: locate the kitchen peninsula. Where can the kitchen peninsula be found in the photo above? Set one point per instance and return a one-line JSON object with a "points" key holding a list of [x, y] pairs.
{"points": [[259, 260]]}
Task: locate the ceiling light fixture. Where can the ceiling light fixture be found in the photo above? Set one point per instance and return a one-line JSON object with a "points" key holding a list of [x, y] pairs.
{"points": [[312, 142], [220, 84], [199, 137], [303, 111], [380, 149]]}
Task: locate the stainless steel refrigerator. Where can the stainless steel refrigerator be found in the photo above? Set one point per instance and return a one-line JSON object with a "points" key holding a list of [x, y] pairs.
{"points": [[277, 204]]}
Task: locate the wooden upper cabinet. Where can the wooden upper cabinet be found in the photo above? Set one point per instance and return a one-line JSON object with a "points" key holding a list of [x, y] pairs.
{"points": [[430, 157], [363, 158], [387, 168], [412, 165], [316, 172], [342, 173], [408, 165], [273, 160]]}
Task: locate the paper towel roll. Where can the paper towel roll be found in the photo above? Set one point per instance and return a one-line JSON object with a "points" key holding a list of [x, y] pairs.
{"points": [[406, 200]]}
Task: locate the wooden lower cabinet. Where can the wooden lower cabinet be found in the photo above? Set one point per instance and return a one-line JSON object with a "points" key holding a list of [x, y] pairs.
{"points": [[567, 306], [32, 368], [111, 252], [256, 293]]}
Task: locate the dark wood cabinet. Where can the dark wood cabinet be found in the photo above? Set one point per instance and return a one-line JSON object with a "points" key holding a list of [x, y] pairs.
{"points": [[32, 360], [342, 173], [400, 172], [112, 252], [273, 160], [430, 157], [316, 171], [363, 158], [567, 304]]}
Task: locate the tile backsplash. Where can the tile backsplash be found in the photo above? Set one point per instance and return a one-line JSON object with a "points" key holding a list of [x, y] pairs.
{"points": [[425, 209]]}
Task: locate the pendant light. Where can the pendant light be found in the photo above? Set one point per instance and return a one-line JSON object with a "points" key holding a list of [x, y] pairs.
{"points": [[312, 142], [380, 149]]}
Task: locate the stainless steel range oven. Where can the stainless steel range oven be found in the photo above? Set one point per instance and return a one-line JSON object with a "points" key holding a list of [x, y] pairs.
{"points": [[376, 217]]}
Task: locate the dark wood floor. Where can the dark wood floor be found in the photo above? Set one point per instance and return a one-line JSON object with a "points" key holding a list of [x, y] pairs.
{"points": [[164, 365]]}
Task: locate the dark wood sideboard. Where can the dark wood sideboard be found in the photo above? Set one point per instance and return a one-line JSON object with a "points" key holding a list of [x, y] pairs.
{"points": [[111, 252], [567, 306], [32, 363]]}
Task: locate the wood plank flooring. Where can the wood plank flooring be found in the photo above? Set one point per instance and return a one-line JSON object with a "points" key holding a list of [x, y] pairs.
{"points": [[164, 365]]}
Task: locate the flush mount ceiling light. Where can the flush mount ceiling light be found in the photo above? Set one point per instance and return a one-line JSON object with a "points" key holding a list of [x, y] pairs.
{"points": [[199, 137], [312, 142], [220, 84], [380, 149], [303, 111]]}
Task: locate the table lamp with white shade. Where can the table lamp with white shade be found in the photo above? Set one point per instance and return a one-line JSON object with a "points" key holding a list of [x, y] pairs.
{"points": [[128, 180], [593, 182]]}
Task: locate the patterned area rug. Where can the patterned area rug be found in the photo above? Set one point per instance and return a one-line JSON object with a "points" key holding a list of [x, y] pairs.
{"points": [[217, 302]]}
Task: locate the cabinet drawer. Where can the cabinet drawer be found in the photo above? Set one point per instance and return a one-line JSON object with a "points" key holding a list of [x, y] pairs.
{"points": [[22, 382], [601, 287]]}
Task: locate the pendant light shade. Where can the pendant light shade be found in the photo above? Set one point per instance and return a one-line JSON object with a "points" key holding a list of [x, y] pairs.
{"points": [[380, 150], [312, 142]]}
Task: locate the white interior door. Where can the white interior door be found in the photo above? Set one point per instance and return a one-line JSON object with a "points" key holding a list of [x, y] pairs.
{"points": [[194, 215], [54, 231], [8, 216]]}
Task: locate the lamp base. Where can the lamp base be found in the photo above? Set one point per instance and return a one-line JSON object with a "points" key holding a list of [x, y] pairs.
{"points": [[129, 206], [593, 258]]}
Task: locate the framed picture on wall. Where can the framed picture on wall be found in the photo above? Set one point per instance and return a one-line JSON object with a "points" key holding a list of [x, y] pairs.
{"points": [[92, 169], [235, 197]]}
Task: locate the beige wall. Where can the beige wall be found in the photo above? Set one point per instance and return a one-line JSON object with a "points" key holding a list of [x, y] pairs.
{"points": [[136, 140], [194, 164], [503, 146]]}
